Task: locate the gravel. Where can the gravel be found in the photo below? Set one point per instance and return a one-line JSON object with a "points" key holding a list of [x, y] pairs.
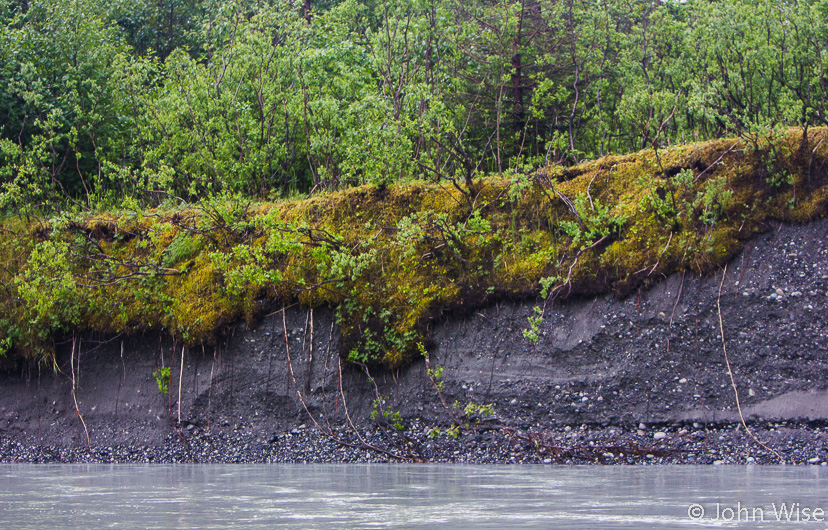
{"points": [[795, 443]]}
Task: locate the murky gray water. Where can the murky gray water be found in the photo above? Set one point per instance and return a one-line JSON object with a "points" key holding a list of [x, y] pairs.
{"points": [[410, 496]]}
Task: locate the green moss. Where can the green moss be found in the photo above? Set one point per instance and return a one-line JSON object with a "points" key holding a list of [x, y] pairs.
{"points": [[392, 259]]}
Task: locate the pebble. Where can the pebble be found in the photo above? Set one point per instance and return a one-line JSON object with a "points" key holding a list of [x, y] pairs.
{"points": [[239, 444]]}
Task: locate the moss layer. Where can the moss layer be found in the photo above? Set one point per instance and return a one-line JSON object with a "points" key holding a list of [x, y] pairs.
{"points": [[393, 259]]}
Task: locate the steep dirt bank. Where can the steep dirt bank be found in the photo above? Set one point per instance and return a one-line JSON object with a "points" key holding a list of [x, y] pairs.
{"points": [[606, 364]]}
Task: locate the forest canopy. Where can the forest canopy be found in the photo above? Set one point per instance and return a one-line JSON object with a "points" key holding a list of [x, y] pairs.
{"points": [[181, 99]]}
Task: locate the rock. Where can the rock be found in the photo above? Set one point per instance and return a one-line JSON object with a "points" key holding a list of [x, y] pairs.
{"points": [[659, 435], [642, 426], [814, 460]]}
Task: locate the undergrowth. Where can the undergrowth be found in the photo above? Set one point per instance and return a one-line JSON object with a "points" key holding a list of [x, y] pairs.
{"points": [[392, 259]]}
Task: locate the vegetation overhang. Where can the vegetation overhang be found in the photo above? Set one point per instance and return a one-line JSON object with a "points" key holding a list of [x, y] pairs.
{"points": [[392, 259]]}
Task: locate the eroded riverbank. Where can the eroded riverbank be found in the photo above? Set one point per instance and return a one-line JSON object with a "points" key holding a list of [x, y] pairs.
{"points": [[609, 365]]}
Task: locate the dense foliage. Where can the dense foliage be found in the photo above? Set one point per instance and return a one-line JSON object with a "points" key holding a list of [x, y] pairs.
{"points": [[153, 155], [186, 98], [391, 259]]}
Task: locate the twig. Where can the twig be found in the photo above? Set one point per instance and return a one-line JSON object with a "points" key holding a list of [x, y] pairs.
{"points": [[570, 207], [439, 391], [379, 402], [732, 147], [662, 254], [813, 153], [591, 205], [310, 356], [554, 293]]}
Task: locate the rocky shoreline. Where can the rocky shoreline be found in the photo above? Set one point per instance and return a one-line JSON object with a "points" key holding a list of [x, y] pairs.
{"points": [[644, 376], [789, 443]]}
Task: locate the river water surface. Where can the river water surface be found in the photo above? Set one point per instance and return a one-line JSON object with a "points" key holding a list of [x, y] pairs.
{"points": [[410, 496]]}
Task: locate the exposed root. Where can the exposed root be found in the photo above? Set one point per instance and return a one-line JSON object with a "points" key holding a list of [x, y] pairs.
{"points": [[74, 386], [673, 313], [329, 432], [379, 401], [730, 373], [180, 377]]}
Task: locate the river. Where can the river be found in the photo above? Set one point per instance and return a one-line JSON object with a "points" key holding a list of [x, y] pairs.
{"points": [[41, 497]]}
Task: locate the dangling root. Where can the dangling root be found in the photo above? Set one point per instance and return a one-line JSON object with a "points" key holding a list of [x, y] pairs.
{"points": [[74, 397], [732, 378]]}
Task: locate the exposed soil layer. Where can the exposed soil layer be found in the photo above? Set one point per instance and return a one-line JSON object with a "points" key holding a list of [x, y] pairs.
{"points": [[644, 377]]}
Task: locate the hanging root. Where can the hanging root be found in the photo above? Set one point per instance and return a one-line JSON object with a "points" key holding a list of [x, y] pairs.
{"points": [[74, 397], [730, 373], [329, 432]]}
